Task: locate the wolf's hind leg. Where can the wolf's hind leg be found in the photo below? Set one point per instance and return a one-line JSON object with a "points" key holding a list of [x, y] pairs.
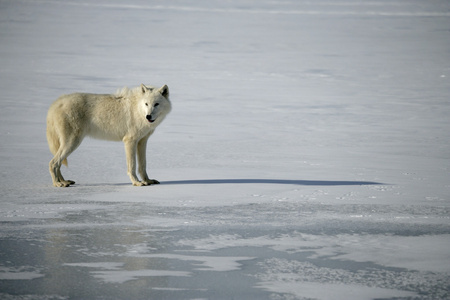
{"points": [[55, 172], [58, 180], [65, 149]]}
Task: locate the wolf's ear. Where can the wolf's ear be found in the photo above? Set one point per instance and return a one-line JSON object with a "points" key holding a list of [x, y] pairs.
{"points": [[164, 90], [143, 88]]}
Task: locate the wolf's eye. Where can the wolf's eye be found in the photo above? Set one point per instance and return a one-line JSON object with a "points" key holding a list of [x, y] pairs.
{"points": [[146, 104], [156, 104]]}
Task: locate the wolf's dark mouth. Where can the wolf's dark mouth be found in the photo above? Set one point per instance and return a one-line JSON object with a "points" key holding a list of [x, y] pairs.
{"points": [[149, 118]]}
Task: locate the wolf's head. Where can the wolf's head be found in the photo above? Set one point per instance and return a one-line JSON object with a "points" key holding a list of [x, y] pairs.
{"points": [[156, 103]]}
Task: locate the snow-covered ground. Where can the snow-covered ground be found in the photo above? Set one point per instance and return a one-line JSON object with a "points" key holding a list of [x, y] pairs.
{"points": [[307, 155]]}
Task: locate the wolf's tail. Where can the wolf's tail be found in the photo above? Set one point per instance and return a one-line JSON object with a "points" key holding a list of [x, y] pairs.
{"points": [[53, 140]]}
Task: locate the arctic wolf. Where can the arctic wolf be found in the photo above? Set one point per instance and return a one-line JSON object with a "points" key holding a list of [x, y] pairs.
{"points": [[130, 115]]}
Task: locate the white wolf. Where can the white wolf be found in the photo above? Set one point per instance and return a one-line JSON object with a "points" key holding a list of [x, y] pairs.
{"points": [[130, 115]]}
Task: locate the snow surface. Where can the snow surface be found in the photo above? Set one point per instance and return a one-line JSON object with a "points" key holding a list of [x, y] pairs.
{"points": [[307, 155]]}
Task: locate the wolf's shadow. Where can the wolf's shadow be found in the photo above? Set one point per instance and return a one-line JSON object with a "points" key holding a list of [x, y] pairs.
{"points": [[269, 181]]}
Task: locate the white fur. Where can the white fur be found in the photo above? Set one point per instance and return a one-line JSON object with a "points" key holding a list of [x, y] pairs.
{"points": [[130, 115]]}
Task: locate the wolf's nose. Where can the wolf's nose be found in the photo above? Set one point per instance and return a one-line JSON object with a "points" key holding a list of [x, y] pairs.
{"points": [[149, 117]]}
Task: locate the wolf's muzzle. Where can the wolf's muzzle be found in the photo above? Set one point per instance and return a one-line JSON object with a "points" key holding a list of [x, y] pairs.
{"points": [[149, 118]]}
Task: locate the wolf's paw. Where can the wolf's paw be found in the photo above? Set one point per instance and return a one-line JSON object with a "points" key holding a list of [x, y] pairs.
{"points": [[61, 184], [150, 181], [145, 182]]}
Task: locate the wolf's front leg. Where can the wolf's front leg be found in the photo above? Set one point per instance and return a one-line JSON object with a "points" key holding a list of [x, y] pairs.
{"points": [[130, 151], [141, 154]]}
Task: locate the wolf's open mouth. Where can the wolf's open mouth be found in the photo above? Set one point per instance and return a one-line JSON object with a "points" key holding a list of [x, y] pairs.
{"points": [[149, 118]]}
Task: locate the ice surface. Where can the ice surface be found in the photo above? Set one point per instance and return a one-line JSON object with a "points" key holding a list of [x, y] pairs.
{"points": [[18, 274], [307, 155]]}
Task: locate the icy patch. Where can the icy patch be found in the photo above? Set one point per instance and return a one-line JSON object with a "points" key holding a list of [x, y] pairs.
{"points": [[115, 274], [324, 291], [20, 273], [99, 265], [15, 213], [32, 297], [423, 253], [208, 263], [176, 289], [306, 280], [203, 263], [124, 276]]}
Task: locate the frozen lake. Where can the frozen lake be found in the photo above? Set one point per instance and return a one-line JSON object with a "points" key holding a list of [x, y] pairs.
{"points": [[307, 155]]}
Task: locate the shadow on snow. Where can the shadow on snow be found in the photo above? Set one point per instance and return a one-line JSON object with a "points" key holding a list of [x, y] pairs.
{"points": [[269, 181]]}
